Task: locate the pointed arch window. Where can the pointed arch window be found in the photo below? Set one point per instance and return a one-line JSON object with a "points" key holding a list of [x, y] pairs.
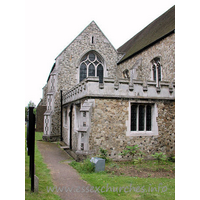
{"points": [[156, 70], [91, 70], [83, 71], [92, 64], [100, 73]]}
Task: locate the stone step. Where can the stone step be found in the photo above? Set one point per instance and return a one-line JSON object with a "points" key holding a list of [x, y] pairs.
{"points": [[72, 154], [64, 147], [62, 143]]}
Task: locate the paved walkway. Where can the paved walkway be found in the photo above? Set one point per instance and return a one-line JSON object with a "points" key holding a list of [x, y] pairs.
{"points": [[64, 176]]}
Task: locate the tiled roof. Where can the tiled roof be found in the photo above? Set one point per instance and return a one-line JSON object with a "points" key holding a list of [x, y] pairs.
{"points": [[158, 29]]}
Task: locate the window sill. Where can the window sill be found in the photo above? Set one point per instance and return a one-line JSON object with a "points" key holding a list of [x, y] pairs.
{"points": [[142, 133]]}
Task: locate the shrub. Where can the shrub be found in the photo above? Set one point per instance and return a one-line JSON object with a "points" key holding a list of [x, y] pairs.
{"points": [[131, 151], [103, 154], [159, 156], [87, 166], [171, 158], [138, 160], [83, 167]]}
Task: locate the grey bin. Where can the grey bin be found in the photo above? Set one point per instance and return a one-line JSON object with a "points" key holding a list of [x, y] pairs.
{"points": [[99, 164]]}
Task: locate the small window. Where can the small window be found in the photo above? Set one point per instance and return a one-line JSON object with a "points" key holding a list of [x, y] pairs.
{"points": [[91, 70], [156, 69], [154, 72], [141, 119], [83, 72], [100, 73]]}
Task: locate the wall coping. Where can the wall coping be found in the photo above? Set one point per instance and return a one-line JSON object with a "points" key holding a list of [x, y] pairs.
{"points": [[121, 88]]}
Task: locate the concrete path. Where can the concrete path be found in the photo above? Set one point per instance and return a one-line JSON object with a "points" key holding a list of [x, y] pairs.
{"points": [[64, 176]]}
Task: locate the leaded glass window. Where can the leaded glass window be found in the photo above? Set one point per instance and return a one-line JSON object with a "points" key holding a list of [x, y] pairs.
{"points": [[156, 69], [141, 116], [91, 70], [91, 57], [154, 72], [159, 71], [148, 118], [91, 65], [83, 71], [133, 117], [100, 73]]}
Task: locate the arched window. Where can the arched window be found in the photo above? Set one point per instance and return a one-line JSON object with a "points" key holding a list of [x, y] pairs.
{"points": [[100, 73], [91, 70], [156, 69], [91, 65], [83, 71]]}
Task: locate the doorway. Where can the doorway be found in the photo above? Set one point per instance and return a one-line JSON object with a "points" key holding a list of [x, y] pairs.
{"points": [[70, 127]]}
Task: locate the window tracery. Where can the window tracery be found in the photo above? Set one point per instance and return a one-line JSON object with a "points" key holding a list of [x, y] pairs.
{"points": [[91, 65], [156, 70]]}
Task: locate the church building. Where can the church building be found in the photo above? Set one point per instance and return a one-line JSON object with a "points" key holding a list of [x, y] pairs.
{"points": [[98, 96]]}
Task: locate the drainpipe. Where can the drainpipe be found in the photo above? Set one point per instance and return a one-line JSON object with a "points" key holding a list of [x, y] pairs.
{"points": [[61, 113]]}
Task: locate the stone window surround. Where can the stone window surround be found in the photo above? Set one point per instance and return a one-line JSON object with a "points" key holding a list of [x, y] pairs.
{"points": [[152, 72], [154, 126], [78, 64], [92, 39]]}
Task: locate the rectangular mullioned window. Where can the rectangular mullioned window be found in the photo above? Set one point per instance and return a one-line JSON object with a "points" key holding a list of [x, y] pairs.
{"points": [[142, 119]]}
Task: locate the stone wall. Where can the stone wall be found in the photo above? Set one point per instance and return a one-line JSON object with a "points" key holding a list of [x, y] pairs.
{"points": [[109, 127], [67, 65], [69, 60], [109, 116], [165, 49]]}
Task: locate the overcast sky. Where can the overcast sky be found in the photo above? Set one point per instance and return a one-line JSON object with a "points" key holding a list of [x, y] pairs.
{"points": [[51, 25]]}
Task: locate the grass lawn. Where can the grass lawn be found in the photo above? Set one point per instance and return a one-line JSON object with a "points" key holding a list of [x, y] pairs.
{"points": [[113, 184], [127, 187], [42, 172], [124, 187]]}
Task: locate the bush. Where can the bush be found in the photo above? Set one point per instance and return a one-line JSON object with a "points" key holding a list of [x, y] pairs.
{"points": [[87, 166], [103, 155], [138, 160], [132, 151], [83, 167], [171, 158], [159, 156]]}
